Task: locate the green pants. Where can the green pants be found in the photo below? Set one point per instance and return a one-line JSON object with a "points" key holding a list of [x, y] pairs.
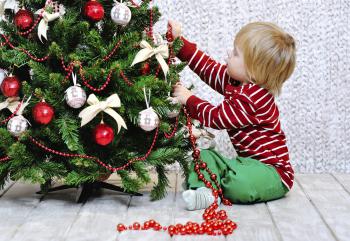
{"points": [[243, 180]]}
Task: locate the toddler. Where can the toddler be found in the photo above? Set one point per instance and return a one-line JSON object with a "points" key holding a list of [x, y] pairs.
{"points": [[263, 58]]}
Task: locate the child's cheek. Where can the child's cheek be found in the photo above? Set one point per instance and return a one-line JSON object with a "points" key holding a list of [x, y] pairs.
{"points": [[230, 69]]}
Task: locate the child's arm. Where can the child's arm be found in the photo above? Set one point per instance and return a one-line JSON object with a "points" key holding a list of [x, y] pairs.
{"points": [[233, 113], [211, 72]]}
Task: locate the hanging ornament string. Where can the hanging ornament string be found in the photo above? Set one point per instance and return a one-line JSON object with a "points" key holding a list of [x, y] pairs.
{"points": [[147, 98]]}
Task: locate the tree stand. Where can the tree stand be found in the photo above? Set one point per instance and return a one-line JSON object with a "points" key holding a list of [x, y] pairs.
{"points": [[87, 190]]}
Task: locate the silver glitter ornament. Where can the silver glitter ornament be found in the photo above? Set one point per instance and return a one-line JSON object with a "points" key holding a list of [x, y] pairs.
{"points": [[148, 119], [121, 14], [17, 125], [75, 96]]}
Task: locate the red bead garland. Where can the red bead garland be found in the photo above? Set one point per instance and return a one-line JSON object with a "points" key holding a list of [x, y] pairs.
{"points": [[172, 134], [6, 158], [215, 222], [7, 42], [109, 167]]}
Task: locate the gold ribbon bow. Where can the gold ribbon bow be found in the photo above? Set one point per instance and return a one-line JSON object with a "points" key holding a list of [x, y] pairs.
{"points": [[97, 106], [147, 52]]}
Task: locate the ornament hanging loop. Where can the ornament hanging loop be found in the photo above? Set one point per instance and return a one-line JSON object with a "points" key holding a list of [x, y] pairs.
{"points": [[147, 98]]}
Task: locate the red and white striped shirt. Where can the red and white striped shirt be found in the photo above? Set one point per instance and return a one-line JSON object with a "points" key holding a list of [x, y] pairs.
{"points": [[248, 113]]}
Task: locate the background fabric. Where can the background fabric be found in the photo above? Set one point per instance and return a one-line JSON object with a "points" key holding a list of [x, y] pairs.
{"points": [[315, 102]]}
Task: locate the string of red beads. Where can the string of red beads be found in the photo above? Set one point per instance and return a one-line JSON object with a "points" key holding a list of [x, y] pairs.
{"points": [[86, 83], [172, 134], [216, 222], [7, 42], [6, 158], [113, 51], [109, 167]]}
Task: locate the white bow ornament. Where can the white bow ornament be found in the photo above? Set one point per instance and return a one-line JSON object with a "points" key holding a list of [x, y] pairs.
{"points": [[10, 103], [13, 102], [106, 106], [48, 17], [147, 52]]}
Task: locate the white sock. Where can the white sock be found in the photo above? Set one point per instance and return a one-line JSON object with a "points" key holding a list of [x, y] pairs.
{"points": [[198, 199]]}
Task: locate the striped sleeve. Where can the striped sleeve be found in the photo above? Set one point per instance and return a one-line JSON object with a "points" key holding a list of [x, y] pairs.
{"points": [[230, 114], [210, 71]]}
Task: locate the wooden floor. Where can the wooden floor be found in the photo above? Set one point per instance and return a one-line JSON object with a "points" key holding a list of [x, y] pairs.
{"points": [[318, 208]]}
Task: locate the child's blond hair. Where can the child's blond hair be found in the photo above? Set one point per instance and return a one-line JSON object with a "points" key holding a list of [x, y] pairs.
{"points": [[269, 54]]}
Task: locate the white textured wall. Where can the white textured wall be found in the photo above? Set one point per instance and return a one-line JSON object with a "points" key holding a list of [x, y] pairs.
{"points": [[315, 103]]}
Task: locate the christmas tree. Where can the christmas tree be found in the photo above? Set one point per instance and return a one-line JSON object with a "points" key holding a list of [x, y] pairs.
{"points": [[85, 87]]}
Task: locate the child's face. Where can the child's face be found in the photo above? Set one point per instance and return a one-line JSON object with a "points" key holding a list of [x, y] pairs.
{"points": [[235, 65]]}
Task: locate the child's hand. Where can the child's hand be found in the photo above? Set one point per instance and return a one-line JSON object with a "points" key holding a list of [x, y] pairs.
{"points": [[181, 93], [175, 28]]}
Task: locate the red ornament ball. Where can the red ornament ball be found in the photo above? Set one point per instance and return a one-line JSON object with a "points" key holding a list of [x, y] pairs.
{"points": [[43, 113], [10, 86], [146, 69], [94, 10], [103, 134], [24, 19]]}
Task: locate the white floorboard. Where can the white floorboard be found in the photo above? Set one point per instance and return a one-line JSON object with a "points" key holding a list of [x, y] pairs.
{"points": [[317, 208], [296, 218], [16, 206], [331, 200]]}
